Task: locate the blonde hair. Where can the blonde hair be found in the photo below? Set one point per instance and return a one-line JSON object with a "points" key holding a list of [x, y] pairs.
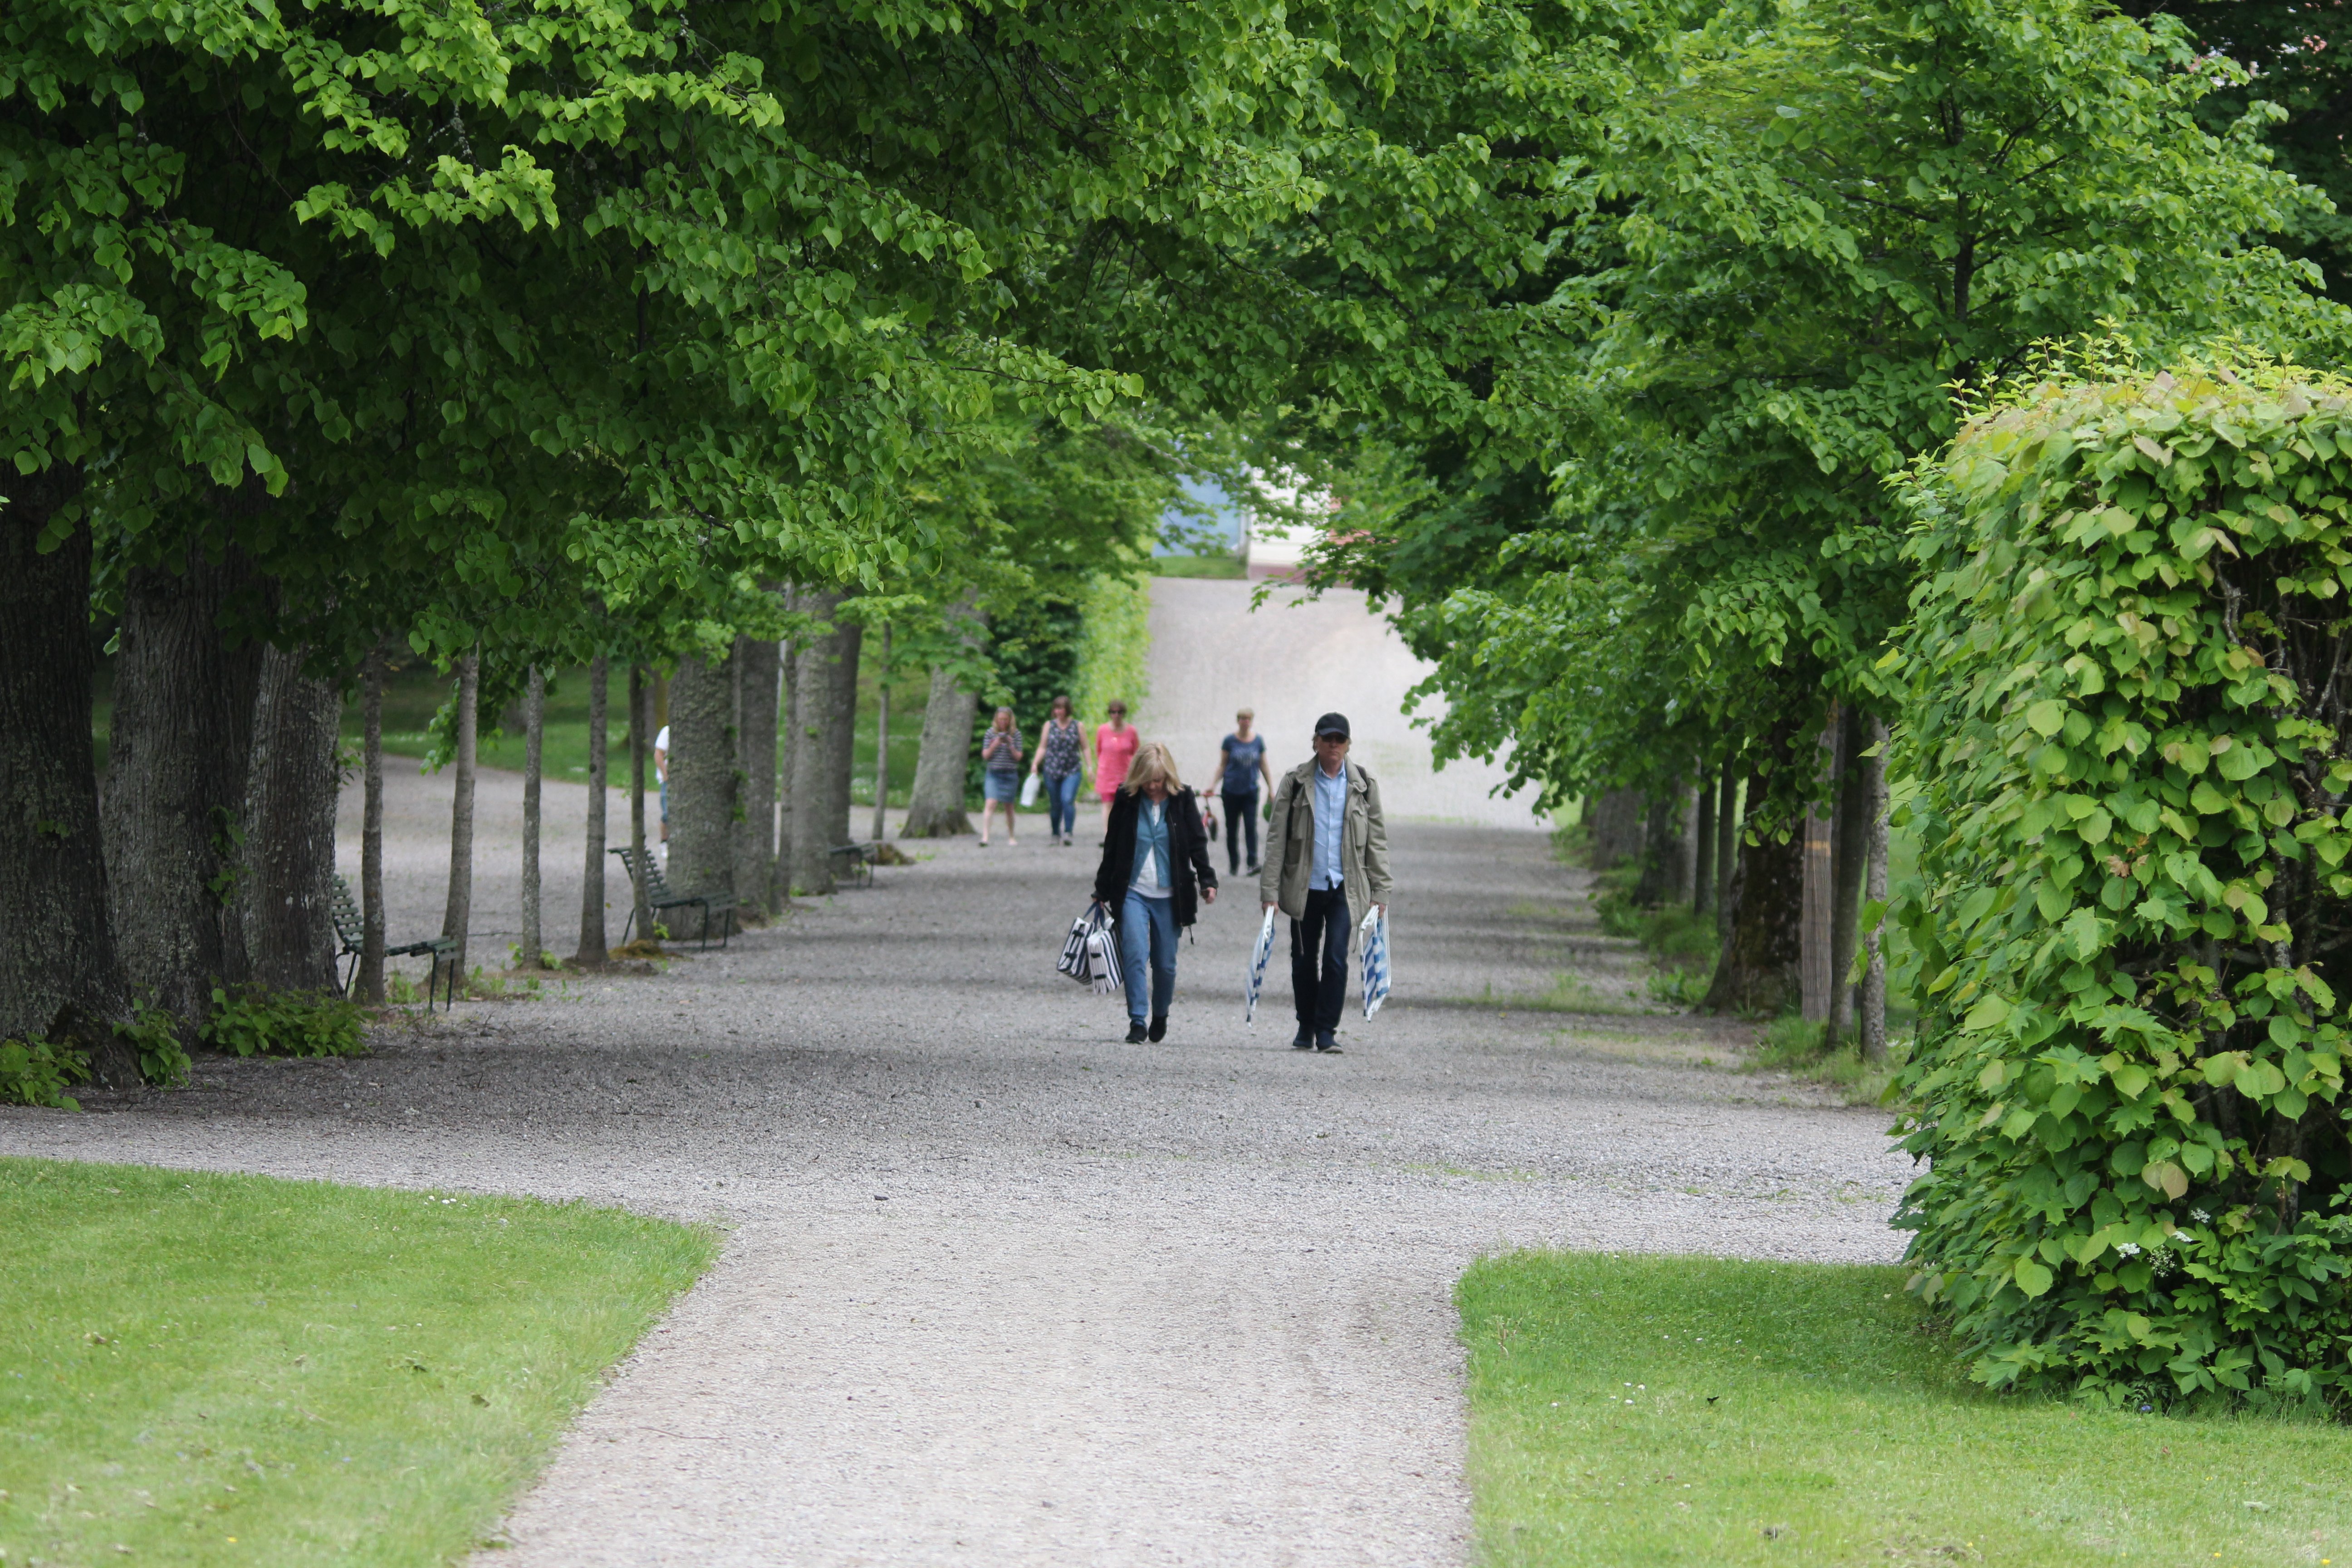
{"points": [[1246, 713], [1151, 762]]}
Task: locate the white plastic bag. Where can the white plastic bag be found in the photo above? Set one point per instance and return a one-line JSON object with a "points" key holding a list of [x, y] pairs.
{"points": [[1029, 793]]}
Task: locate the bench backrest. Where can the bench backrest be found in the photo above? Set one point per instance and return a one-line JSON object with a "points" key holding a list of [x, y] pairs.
{"points": [[648, 872], [347, 924]]}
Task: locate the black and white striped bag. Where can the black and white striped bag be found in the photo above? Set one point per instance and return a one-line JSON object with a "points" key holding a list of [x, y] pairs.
{"points": [[1091, 956]]}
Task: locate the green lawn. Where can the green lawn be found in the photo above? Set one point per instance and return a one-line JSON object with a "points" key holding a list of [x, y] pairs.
{"points": [[1676, 1410], [209, 1369], [1198, 566]]}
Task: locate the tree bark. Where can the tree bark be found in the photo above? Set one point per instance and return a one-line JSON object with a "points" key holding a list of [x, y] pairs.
{"points": [[1756, 973], [369, 978], [790, 727], [1615, 834], [1727, 845], [594, 946], [935, 803], [1847, 855], [459, 912], [882, 739], [826, 694], [755, 855], [289, 828], [1703, 848], [702, 792], [641, 740], [173, 801], [1667, 850], [534, 725], [1872, 1021], [1818, 843], [59, 976]]}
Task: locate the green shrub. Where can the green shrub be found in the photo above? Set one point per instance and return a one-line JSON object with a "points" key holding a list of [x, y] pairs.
{"points": [[256, 1021], [155, 1034], [2128, 662], [1114, 647], [36, 1072]]}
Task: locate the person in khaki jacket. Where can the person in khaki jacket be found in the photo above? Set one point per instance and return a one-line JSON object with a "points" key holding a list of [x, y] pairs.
{"points": [[1327, 847]]}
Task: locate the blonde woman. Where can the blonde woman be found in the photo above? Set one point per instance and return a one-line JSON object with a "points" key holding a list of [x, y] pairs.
{"points": [[1155, 874], [1000, 777]]}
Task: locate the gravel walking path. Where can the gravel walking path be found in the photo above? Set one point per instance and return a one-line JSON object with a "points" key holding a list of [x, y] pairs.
{"points": [[999, 1288]]}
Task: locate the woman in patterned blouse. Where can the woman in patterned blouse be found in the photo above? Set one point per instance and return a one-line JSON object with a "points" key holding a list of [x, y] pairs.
{"points": [[1060, 759]]}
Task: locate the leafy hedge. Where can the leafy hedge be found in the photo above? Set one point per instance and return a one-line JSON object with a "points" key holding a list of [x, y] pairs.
{"points": [[1114, 647], [2129, 664]]}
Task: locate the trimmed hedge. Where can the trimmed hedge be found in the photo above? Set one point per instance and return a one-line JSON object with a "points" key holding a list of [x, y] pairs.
{"points": [[2129, 664]]}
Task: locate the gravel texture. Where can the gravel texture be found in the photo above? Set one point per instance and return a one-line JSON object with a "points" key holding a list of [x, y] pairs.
{"points": [[999, 1288]]}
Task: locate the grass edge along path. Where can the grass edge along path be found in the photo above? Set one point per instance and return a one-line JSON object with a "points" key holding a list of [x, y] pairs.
{"points": [[206, 1368], [1632, 1410]]}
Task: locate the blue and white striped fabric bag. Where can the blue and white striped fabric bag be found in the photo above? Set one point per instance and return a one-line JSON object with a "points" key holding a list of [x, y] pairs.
{"points": [[1374, 936], [1258, 971], [1090, 956]]}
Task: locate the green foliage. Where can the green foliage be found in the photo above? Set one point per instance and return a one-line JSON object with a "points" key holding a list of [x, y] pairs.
{"points": [[1114, 647], [155, 1034], [363, 1376], [256, 1021], [1647, 1410], [36, 1072], [2126, 682]]}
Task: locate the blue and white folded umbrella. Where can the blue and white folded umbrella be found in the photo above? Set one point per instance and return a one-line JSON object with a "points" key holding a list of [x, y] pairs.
{"points": [[1375, 944], [1258, 971]]}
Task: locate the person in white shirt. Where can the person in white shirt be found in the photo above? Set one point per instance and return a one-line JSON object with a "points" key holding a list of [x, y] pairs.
{"points": [[661, 777]]}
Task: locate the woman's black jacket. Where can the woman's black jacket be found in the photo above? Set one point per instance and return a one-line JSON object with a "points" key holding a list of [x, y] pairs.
{"points": [[1186, 847]]}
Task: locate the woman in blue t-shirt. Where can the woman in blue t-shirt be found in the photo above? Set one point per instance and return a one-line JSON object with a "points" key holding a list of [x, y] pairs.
{"points": [[1240, 768]]}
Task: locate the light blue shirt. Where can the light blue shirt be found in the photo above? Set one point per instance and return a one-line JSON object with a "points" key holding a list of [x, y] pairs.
{"points": [[1331, 821]]}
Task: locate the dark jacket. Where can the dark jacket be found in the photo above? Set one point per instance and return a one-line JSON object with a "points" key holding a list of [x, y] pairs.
{"points": [[1186, 847]]}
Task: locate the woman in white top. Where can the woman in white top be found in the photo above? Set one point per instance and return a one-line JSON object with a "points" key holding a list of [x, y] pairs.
{"points": [[1155, 874]]}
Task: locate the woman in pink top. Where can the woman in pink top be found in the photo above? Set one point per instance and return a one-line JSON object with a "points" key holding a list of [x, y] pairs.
{"points": [[1115, 744]]}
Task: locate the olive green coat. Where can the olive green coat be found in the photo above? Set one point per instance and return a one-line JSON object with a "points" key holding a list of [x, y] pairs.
{"points": [[1290, 843]]}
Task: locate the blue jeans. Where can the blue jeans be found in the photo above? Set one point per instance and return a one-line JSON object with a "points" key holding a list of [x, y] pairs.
{"points": [[1147, 936], [1061, 803]]}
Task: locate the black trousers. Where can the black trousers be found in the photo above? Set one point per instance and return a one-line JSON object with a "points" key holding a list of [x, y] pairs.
{"points": [[1239, 809], [1318, 958]]}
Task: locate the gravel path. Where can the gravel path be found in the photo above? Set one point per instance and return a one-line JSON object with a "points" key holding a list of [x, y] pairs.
{"points": [[1293, 660], [999, 1288]]}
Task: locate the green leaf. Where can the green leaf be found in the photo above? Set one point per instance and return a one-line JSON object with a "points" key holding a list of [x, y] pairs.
{"points": [[2034, 1277], [2047, 715]]}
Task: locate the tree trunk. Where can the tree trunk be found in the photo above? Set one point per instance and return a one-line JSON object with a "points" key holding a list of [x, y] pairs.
{"points": [[790, 737], [641, 740], [942, 765], [1727, 845], [1702, 849], [369, 978], [1615, 833], [594, 945], [1665, 853], [174, 798], [826, 694], [1756, 973], [882, 739], [755, 857], [1874, 978], [1819, 842], [460, 913], [1847, 856], [535, 724], [289, 828], [59, 976], [702, 794]]}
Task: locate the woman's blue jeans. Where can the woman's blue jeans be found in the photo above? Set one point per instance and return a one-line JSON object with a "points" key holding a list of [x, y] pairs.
{"points": [[1147, 940], [1061, 803]]}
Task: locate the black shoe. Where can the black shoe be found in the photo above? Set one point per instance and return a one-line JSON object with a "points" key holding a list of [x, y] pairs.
{"points": [[1159, 1030], [1253, 870], [1135, 1035], [1304, 1040], [1326, 1042]]}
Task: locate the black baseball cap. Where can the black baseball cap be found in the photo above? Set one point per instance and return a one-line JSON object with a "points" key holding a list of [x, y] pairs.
{"points": [[1332, 725]]}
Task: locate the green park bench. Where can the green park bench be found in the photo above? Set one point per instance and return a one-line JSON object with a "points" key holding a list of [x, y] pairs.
{"points": [[353, 933], [859, 867], [648, 873]]}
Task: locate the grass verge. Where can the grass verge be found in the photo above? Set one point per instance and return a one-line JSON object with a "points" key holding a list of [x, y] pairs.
{"points": [[1683, 1410], [213, 1369]]}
